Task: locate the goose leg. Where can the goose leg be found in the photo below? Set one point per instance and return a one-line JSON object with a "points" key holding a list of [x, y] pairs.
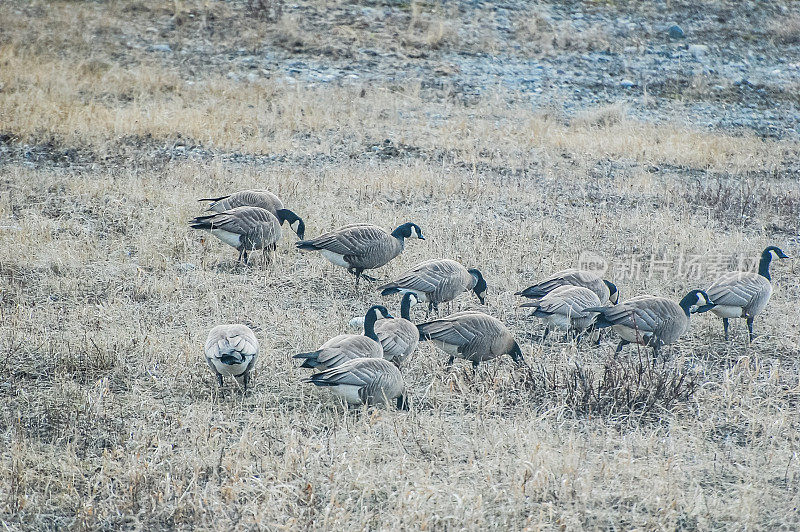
{"points": [[656, 352], [356, 272], [449, 362], [475, 366], [725, 327], [244, 254], [750, 328], [544, 334], [241, 253], [622, 343]]}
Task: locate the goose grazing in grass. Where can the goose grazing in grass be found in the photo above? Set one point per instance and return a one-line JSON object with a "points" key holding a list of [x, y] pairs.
{"points": [[471, 335], [345, 347], [258, 198], [399, 336], [744, 294], [365, 381], [245, 228], [360, 247], [437, 281], [231, 351], [605, 290], [563, 308], [651, 321]]}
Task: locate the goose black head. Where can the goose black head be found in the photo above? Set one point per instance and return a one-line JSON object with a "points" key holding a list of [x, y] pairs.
{"points": [[516, 354], [698, 299], [371, 317], [374, 310], [613, 294], [295, 222], [402, 402], [480, 284], [408, 230], [778, 252], [766, 258]]}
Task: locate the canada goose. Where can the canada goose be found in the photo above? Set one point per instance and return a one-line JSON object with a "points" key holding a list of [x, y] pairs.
{"points": [[365, 381], [563, 308], [344, 347], [651, 321], [472, 336], [605, 290], [245, 228], [399, 336], [360, 247], [258, 198], [744, 294], [231, 351], [438, 281]]}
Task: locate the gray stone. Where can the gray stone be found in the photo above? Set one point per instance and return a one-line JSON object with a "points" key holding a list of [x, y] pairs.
{"points": [[161, 48], [676, 32], [626, 84], [698, 50]]}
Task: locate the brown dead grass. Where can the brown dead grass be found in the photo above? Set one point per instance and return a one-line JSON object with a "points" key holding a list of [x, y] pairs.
{"points": [[111, 419]]}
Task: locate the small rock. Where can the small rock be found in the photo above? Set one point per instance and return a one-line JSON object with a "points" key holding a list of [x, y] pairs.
{"points": [[187, 267], [676, 32], [161, 48], [626, 84], [698, 50]]}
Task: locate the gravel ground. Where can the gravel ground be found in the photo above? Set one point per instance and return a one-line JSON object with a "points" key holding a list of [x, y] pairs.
{"points": [[735, 67]]}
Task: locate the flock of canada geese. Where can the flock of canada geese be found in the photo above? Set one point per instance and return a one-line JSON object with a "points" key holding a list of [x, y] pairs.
{"points": [[365, 369]]}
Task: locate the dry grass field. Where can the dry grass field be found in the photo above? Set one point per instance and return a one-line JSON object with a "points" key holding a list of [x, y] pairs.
{"points": [[111, 419]]}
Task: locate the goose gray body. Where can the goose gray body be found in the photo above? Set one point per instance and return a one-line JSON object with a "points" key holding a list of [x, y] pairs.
{"points": [[605, 290], [740, 294], [364, 381], [471, 335], [341, 349], [263, 199], [437, 281], [231, 351], [743, 294], [564, 308], [360, 247], [650, 320], [346, 347], [399, 337], [244, 228]]}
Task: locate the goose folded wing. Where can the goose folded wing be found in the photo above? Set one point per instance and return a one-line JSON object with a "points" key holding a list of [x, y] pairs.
{"points": [[735, 291], [420, 280], [452, 332], [355, 239], [360, 374]]}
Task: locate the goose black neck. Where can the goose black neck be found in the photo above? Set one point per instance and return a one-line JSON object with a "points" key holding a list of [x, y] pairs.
{"points": [[687, 302], [369, 324], [405, 307], [763, 265], [398, 234]]}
